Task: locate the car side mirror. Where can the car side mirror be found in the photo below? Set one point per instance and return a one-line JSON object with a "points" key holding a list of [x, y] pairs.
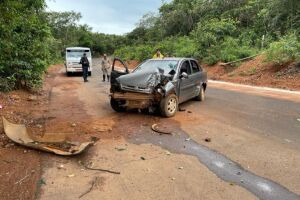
{"points": [[184, 75]]}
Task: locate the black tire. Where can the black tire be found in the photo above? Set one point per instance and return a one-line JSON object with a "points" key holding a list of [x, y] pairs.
{"points": [[201, 95], [68, 73], [116, 105], [169, 106]]}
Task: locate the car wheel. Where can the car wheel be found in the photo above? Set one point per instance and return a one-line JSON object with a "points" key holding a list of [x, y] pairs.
{"points": [[201, 96], [68, 73], [116, 105], [169, 106]]}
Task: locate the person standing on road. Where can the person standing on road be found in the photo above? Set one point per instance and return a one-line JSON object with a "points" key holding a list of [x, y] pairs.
{"points": [[84, 61], [105, 67], [158, 54]]}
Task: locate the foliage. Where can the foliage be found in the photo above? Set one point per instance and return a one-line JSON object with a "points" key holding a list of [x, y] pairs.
{"points": [[23, 52], [138, 52], [67, 33], [211, 31], [173, 46], [284, 50], [216, 30], [232, 50]]}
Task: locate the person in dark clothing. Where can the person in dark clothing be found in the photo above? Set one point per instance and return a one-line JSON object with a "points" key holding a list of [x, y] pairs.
{"points": [[84, 61]]}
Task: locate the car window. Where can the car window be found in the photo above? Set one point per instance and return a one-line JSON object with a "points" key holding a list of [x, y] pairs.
{"points": [[119, 66], [152, 65], [195, 67], [185, 67]]}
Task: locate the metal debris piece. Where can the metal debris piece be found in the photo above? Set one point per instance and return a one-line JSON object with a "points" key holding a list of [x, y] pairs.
{"points": [[182, 110], [18, 134], [98, 169], [120, 148], [71, 175], [143, 158], [156, 128]]}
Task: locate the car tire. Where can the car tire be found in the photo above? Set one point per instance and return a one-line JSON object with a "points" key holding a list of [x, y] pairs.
{"points": [[201, 95], [169, 105], [116, 106], [68, 73]]}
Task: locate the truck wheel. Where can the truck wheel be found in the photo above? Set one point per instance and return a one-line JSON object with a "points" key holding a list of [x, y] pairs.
{"points": [[169, 106], [201, 95], [116, 105]]}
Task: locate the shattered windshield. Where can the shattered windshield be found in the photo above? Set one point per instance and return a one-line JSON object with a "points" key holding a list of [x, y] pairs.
{"points": [[151, 65]]}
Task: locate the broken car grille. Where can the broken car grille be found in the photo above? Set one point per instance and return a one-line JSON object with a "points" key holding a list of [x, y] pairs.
{"points": [[136, 89]]}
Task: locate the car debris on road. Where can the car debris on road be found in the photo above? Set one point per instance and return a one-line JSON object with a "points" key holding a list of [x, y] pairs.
{"points": [[157, 128], [18, 134]]}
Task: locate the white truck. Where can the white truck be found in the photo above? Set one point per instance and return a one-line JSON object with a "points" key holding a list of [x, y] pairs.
{"points": [[73, 56]]}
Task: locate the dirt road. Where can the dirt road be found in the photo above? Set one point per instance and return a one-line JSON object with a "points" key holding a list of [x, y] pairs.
{"points": [[251, 150]]}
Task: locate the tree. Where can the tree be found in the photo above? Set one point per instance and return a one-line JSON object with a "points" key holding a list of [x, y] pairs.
{"points": [[24, 53]]}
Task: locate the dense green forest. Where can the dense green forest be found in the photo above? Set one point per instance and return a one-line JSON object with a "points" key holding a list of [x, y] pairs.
{"points": [[218, 30], [209, 30]]}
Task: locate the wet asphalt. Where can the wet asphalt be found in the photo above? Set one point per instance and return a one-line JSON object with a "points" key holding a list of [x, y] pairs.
{"points": [[256, 114], [219, 164]]}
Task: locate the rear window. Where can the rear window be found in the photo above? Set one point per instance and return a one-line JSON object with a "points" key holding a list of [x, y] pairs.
{"points": [[195, 67], [77, 53]]}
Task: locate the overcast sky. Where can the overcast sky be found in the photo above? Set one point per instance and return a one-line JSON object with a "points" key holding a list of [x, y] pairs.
{"points": [[113, 16]]}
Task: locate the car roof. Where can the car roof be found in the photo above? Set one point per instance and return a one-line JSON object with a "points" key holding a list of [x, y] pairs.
{"points": [[172, 59], [78, 48]]}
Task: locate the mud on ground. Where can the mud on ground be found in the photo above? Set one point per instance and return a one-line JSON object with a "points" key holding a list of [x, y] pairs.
{"points": [[258, 73]]}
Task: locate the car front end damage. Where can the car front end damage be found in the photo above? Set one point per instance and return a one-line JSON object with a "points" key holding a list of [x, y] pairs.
{"points": [[142, 91]]}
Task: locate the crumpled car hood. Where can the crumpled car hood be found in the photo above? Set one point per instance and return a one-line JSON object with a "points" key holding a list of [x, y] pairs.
{"points": [[139, 79]]}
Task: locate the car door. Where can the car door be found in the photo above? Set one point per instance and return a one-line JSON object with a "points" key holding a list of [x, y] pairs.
{"points": [[119, 68], [186, 84], [196, 77]]}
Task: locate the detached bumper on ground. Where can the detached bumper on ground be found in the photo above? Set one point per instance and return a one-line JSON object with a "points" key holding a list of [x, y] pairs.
{"points": [[19, 134]]}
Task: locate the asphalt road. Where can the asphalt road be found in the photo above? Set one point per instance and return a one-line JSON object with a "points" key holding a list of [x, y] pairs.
{"points": [[255, 114], [255, 130]]}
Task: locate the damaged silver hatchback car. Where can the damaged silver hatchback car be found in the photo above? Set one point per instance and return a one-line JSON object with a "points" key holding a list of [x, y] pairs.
{"points": [[157, 84]]}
